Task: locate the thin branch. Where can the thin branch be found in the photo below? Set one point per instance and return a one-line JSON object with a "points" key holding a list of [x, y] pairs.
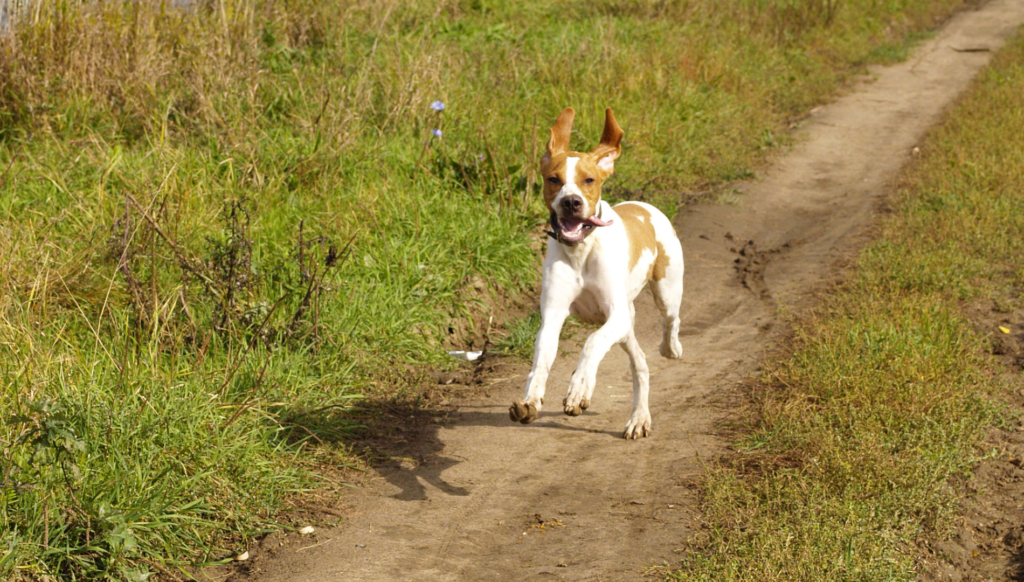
{"points": [[252, 342]]}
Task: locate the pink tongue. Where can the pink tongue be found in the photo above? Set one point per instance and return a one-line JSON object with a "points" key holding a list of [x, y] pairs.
{"points": [[597, 221]]}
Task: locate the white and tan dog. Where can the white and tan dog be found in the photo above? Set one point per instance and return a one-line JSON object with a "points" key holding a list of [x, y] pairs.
{"points": [[598, 260]]}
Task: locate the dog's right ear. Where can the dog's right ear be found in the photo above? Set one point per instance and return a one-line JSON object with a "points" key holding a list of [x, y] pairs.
{"points": [[560, 131]]}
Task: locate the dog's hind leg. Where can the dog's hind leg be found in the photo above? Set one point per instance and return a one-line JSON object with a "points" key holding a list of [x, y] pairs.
{"points": [[589, 394], [639, 424], [668, 296], [581, 385]]}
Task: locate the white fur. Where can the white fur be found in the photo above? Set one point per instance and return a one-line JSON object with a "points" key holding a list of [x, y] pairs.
{"points": [[570, 187], [592, 280]]}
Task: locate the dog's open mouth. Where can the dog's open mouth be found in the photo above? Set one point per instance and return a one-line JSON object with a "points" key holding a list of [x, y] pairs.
{"points": [[573, 230]]}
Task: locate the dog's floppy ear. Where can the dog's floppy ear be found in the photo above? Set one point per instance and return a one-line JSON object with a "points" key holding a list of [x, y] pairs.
{"points": [[610, 146], [559, 142]]}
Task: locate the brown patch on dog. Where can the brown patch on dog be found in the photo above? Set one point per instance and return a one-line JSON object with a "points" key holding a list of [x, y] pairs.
{"points": [[660, 263], [640, 231], [552, 167]]}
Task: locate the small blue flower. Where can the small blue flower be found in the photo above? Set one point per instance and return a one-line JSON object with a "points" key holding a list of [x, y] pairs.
{"points": [[437, 106], [436, 132]]}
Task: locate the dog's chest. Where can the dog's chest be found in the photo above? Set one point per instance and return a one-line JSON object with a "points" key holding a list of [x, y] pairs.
{"points": [[595, 284], [588, 308], [596, 271]]}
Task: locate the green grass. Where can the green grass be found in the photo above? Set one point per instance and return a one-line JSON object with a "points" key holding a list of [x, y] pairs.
{"points": [[221, 228], [890, 388], [519, 338]]}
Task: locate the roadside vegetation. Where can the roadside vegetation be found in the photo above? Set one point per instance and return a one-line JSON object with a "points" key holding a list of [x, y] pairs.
{"points": [[882, 408], [225, 224]]}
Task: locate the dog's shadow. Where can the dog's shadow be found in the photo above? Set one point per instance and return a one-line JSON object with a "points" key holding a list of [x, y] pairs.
{"points": [[402, 443], [413, 457], [411, 479], [400, 438], [485, 415]]}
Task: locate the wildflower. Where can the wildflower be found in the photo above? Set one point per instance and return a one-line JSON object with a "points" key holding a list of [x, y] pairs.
{"points": [[437, 106], [436, 132]]}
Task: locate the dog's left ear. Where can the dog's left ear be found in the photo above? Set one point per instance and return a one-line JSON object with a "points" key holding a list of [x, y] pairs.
{"points": [[610, 147]]}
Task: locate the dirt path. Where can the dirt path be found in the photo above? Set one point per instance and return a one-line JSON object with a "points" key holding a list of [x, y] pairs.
{"points": [[481, 498]]}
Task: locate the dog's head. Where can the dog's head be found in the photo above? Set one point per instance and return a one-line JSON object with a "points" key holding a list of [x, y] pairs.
{"points": [[572, 180]]}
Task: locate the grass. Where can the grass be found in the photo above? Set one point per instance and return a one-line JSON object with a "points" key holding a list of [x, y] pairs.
{"points": [[518, 339], [223, 226], [884, 402]]}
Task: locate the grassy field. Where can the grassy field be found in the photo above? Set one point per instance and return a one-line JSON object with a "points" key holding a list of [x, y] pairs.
{"points": [[223, 226], [890, 388]]}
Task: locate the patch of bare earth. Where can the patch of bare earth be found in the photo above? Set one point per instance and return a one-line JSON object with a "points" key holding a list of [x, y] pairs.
{"points": [[462, 493], [988, 540]]}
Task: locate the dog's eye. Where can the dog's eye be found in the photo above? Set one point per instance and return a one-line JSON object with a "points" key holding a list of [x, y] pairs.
{"points": [[588, 181], [554, 180]]}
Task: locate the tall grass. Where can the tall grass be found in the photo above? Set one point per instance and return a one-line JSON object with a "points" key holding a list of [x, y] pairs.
{"points": [[884, 403], [222, 224]]}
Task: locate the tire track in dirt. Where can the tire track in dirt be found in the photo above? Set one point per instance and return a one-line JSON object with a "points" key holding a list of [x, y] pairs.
{"points": [[567, 498]]}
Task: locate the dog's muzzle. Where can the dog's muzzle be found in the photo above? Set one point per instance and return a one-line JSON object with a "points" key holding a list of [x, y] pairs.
{"points": [[571, 230]]}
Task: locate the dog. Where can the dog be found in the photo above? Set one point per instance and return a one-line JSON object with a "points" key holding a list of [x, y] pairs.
{"points": [[598, 260]]}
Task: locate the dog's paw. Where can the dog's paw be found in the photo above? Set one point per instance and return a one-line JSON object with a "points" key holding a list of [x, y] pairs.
{"points": [[522, 412], [585, 403], [672, 349], [638, 427], [574, 409]]}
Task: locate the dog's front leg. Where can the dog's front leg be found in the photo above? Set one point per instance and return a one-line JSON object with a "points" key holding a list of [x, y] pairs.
{"points": [[544, 351], [596, 347]]}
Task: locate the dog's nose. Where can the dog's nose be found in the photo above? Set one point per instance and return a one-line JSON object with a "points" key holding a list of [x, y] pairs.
{"points": [[572, 204]]}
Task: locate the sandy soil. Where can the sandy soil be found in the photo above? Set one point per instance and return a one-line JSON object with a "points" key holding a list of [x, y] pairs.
{"points": [[477, 497]]}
